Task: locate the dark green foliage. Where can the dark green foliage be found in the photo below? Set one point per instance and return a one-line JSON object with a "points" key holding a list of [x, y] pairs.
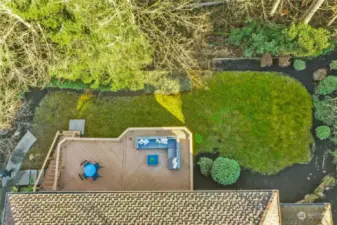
{"points": [[323, 132], [205, 165], [333, 65], [327, 86], [260, 119], [258, 38], [299, 64], [325, 109], [225, 171]]}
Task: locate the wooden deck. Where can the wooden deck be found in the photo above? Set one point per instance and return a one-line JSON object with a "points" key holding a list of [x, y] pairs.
{"points": [[124, 167]]}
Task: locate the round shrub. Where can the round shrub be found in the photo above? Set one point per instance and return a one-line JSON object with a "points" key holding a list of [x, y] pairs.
{"points": [[299, 64], [327, 85], [205, 165], [323, 132], [225, 171]]}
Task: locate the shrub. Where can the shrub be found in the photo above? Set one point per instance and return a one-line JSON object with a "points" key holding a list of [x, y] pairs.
{"points": [[266, 60], [259, 38], [299, 64], [205, 165], [320, 74], [325, 110], [225, 171], [327, 85], [333, 65], [284, 61], [310, 41], [323, 132], [75, 85]]}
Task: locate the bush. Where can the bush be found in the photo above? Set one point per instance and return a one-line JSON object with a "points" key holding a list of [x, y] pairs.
{"points": [[323, 132], [225, 171], [258, 38], [284, 61], [310, 41], [74, 85], [333, 65], [266, 60], [299, 64], [325, 110], [327, 85], [205, 165]]}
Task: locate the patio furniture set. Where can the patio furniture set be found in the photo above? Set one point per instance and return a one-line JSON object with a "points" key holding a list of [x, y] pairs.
{"points": [[160, 142], [90, 170]]}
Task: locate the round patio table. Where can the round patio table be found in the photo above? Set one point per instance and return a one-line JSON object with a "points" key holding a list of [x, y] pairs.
{"points": [[90, 170]]}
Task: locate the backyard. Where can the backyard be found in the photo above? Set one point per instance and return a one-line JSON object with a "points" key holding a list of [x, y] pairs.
{"points": [[262, 120]]}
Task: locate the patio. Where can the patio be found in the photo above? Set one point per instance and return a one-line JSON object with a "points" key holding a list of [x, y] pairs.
{"points": [[124, 167]]}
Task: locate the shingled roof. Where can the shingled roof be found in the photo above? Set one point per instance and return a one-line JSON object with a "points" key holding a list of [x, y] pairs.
{"points": [[211, 207], [306, 214]]}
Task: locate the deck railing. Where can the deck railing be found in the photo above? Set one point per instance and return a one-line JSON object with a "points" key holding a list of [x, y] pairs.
{"points": [[58, 133]]}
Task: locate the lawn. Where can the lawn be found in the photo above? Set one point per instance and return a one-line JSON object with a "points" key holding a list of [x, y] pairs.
{"points": [[262, 120]]}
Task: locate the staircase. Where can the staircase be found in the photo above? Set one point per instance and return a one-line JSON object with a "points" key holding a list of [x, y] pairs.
{"points": [[48, 181]]}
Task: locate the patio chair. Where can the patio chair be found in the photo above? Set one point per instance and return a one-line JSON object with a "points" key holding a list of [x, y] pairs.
{"points": [[81, 176], [84, 162], [95, 176], [98, 166]]}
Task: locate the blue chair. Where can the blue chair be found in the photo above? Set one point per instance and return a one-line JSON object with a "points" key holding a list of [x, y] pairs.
{"points": [[97, 166], [95, 176], [85, 176]]}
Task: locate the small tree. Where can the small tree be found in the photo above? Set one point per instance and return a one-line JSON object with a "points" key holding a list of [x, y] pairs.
{"points": [[205, 165], [225, 171]]}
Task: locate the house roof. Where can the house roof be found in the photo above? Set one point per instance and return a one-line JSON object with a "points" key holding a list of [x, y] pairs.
{"points": [[306, 214], [211, 207]]}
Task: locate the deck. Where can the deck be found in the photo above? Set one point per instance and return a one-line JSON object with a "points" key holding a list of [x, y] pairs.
{"points": [[124, 167]]}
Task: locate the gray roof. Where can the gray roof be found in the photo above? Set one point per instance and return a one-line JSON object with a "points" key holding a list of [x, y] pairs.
{"points": [[211, 207], [306, 214]]}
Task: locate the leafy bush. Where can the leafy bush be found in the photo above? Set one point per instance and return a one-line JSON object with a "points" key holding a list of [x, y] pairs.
{"points": [[333, 65], [258, 38], [327, 85], [205, 165], [325, 109], [299, 64], [323, 132], [310, 41], [225, 171]]}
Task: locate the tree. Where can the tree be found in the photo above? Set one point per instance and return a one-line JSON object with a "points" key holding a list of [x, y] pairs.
{"points": [[315, 5], [25, 56]]}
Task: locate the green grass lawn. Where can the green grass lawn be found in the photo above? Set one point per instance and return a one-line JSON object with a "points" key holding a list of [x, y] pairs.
{"points": [[262, 120]]}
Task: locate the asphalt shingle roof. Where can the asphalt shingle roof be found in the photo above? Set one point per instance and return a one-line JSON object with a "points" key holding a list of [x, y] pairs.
{"points": [[211, 207], [306, 214]]}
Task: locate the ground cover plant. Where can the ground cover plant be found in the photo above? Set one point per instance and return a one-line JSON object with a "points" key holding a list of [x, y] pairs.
{"points": [[261, 120]]}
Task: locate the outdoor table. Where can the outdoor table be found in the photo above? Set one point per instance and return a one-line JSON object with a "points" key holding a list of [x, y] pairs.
{"points": [[90, 170]]}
